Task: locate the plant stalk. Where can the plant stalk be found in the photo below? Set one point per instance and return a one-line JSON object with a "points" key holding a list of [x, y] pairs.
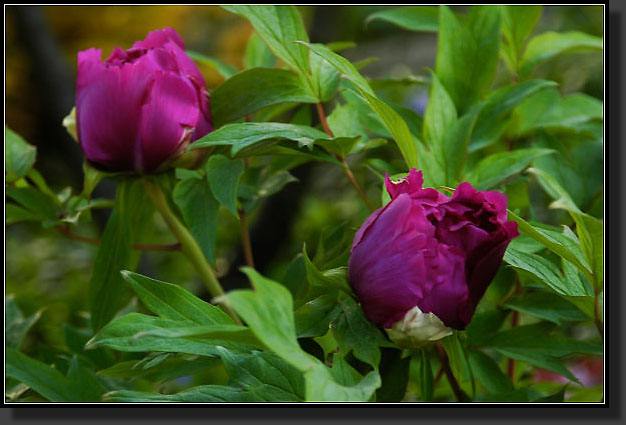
{"points": [[245, 238], [189, 247], [445, 365], [346, 167]]}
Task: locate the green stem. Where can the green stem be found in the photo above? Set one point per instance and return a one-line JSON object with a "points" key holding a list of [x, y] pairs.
{"points": [[189, 247]]}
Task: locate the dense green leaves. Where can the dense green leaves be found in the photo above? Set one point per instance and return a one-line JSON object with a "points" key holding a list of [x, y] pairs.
{"points": [[546, 306], [222, 68], [279, 27], [467, 53], [518, 23], [223, 174]]}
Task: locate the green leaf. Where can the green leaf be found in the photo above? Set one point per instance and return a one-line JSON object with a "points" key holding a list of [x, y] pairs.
{"points": [[314, 317], [518, 23], [321, 386], [19, 156], [459, 363], [255, 89], [279, 27], [35, 202], [332, 279], [563, 246], [494, 118], [546, 306], [467, 53], [414, 18], [223, 175], [268, 311], [439, 116], [343, 373], [325, 77], [489, 373], [172, 302], [199, 210], [201, 394], [390, 118], [257, 54], [544, 270], [85, 380], [484, 325], [455, 143], [549, 44], [15, 214], [230, 333], [265, 375], [43, 379], [224, 69], [168, 366], [394, 372], [590, 230], [427, 381], [131, 333], [107, 291], [547, 109], [245, 135], [543, 338], [500, 166], [354, 332], [16, 325]]}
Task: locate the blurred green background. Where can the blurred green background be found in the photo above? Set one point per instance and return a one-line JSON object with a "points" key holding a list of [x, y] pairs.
{"points": [[46, 270]]}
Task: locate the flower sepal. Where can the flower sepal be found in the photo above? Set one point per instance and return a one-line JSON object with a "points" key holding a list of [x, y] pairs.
{"points": [[417, 329]]}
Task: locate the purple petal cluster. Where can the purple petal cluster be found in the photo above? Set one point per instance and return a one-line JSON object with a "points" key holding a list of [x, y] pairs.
{"points": [[141, 107], [429, 250]]}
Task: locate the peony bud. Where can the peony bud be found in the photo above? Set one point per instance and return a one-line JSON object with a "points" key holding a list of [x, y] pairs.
{"points": [[139, 109], [421, 264]]}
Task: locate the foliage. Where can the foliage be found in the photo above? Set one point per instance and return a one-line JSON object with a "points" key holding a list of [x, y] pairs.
{"points": [[296, 332]]}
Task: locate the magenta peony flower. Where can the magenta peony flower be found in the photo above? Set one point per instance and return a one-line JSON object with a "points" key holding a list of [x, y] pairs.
{"points": [[142, 106], [421, 264]]}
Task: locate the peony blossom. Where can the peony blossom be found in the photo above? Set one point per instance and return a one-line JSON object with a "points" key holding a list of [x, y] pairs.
{"points": [[421, 264], [138, 110]]}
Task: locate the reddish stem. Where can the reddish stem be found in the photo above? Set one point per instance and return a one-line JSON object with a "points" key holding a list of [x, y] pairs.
{"points": [[93, 241]]}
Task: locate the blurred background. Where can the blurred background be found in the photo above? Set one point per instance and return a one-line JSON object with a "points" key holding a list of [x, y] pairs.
{"points": [[45, 269]]}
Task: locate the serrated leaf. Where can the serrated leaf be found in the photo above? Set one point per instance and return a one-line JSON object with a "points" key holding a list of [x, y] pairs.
{"points": [[321, 386], [35, 202]]}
